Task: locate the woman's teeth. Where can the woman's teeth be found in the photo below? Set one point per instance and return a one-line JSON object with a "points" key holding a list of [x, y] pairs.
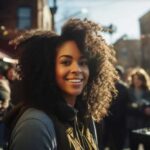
{"points": [[75, 80]]}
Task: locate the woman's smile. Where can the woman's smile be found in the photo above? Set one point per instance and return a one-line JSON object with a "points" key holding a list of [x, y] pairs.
{"points": [[75, 82]]}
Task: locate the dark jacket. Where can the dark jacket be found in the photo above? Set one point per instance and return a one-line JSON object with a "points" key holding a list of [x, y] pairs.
{"points": [[118, 108], [114, 125], [71, 134], [136, 117]]}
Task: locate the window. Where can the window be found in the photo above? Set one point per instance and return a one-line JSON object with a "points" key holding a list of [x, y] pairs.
{"points": [[124, 53], [24, 17]]}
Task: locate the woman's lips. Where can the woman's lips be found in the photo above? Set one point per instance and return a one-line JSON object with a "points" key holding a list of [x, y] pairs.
{"points": [[75, 80]]}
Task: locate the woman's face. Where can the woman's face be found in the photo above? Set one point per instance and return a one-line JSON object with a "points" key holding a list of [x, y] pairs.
{"points": [[71, 70], [137, 82], [11, 74]]}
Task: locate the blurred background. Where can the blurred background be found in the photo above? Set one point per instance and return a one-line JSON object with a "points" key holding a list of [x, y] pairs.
{"points": [[126, 23]]}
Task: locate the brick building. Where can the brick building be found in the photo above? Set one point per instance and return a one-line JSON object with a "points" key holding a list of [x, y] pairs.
{"points": [[19, 15], [145, 39], [128, 52]]}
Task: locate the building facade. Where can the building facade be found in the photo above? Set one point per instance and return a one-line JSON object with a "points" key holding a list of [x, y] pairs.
{"points": [[20, 15], [145, 40], [128, 52]]}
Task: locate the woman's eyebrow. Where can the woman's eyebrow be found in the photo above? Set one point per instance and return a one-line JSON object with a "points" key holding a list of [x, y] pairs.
{"points": [[68, 56]]}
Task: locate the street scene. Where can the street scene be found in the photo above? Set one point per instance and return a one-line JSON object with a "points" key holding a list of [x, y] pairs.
{"points": [[75, 75]]}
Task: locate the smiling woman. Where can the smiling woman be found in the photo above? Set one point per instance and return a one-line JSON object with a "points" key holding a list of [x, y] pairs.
{"points": [[67, 82], [72, 71]]}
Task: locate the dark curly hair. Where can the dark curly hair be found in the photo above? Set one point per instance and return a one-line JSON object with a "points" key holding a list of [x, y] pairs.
{"points": [[37, 67]]}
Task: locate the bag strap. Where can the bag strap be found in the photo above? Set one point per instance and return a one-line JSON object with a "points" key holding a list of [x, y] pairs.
{"points": [[92, 128]]}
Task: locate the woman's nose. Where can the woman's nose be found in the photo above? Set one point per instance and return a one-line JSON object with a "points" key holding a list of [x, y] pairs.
{"points": [[76, 68]]}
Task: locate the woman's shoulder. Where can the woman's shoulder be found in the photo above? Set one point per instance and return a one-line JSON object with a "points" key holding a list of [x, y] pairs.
{"points": [[38, 117], [36, 128], [34, 114]]}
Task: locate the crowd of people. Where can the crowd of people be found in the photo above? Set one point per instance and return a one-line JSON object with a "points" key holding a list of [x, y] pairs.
{"points": [[66, 93], [129, 111]]}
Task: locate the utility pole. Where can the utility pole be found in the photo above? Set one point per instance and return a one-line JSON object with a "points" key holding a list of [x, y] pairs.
{"points": [[53, 9], [110, 29]]}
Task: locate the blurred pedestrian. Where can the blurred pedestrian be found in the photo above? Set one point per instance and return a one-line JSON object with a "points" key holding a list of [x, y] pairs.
{"points": [[114, 125], [4, 99], [14, 84], [139, 105], [68, 81]]}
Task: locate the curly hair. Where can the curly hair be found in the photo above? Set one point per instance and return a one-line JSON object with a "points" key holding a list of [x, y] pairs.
{"points": [[101, 87], [143, 76], [37, 66]]}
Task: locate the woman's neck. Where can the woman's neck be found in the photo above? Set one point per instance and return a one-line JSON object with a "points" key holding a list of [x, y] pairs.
{"points": [[71, 100]]}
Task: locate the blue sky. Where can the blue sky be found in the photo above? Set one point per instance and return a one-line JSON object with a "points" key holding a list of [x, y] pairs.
{"points": [[124, 14]]}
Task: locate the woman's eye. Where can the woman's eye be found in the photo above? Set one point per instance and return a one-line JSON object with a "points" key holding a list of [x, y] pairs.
{"points": [[65, 62], [83, 63]]}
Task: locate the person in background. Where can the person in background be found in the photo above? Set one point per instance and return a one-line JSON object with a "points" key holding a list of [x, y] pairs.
{"points": [[4, 99], [114, 125], [67, 82], [139, 104], [14, 83]]}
